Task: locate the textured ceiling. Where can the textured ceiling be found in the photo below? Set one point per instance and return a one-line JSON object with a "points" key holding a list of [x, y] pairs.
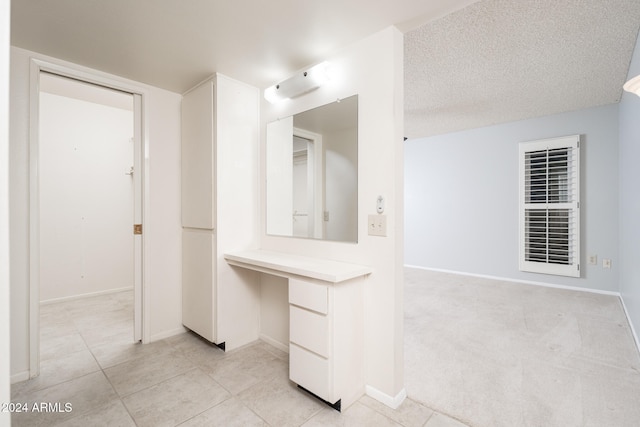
{"points": [[468, 63], [497, 61]]}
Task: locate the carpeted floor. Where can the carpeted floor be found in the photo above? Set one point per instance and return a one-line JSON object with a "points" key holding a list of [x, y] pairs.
{"points": [[492, 353]]}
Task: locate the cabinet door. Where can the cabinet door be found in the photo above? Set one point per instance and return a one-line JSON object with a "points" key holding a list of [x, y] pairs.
{"points": [[198, 157], [197, 282]]}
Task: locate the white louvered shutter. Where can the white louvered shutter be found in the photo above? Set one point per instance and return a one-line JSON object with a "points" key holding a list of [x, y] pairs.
{"points": [[550, 206]]}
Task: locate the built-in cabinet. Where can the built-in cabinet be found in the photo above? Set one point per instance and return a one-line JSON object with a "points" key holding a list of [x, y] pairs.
{"points": [[220, 134], [326, 321], [326, 338]]}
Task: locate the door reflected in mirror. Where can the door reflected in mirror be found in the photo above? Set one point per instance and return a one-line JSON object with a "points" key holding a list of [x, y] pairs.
{"points": [[312, 173]]}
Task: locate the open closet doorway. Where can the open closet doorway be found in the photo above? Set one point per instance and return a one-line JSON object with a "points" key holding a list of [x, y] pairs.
{"points": [[88, 286]]}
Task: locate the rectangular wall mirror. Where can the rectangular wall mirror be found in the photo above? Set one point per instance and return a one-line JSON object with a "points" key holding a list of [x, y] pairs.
{"points": [[312, 173]]}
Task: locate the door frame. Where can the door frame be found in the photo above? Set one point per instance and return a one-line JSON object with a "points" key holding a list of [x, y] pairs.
{"points": [[316, 176], [141, 203]]}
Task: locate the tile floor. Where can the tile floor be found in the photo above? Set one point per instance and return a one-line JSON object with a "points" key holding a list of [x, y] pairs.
{"points": [[88, 360], [478, 353]]}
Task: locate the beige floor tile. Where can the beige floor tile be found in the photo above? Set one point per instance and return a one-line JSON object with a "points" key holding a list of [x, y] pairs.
{"points": [[409, 414], [52, 329], [273, 350], [113, 414], [195, 348], [62, 345], [57, 370], [440, 420], [88, 307], [242, 369], [85, 394], [280, 402], [230, 413], [100, 319], [138, 374], [109, 355], [356, 415], [175, 400], [115, 333]]}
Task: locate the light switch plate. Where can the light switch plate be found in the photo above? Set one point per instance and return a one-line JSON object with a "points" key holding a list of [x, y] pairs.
{"points": [[377, 225]]}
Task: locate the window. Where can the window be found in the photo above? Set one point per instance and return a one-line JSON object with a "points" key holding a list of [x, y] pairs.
{"points": [[550, 206]]}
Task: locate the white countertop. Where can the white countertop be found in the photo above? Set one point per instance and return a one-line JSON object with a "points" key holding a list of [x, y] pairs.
{"points": [[284, 264]]}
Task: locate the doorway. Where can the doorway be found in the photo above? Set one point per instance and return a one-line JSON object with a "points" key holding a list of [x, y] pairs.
{"points": [[86, 189], [86, 194]]}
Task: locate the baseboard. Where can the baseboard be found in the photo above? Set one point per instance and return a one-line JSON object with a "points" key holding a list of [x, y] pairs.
{"points": [[509, 279], [391, 401], [88, 295], [633, 330], [166, 334], [274, 343], [19, 377]]}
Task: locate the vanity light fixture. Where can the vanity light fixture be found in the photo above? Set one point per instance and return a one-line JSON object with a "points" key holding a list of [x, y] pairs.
{"points": [[299, 84], [633, 85]]}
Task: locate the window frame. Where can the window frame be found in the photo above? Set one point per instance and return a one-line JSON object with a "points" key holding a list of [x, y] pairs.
{"points": [[571, 206]]}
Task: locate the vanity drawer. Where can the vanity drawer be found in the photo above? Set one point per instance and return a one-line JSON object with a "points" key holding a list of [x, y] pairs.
{"points": [[310, 371], [309, 330], [309, 295]]}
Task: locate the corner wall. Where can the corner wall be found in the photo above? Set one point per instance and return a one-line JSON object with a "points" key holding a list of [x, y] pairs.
{"points": [[629, 199], [162, 258], [462, 197], [373, 69]]}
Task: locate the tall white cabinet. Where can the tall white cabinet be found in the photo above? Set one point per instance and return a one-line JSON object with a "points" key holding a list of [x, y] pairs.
{"points": [[220, 134]]}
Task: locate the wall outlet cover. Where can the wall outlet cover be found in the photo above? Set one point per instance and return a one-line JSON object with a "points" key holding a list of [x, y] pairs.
{"points": [[377, 225]]}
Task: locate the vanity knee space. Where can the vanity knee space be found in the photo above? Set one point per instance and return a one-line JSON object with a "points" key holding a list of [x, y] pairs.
{"points": [[326, 320]]}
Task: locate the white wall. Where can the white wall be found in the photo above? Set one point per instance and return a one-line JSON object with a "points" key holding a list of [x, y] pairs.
{"points": [[341, 164], [162, 261], [274, 311], [629, 198], [462, 197], [5, 344], [86, 199], [373, 69]]}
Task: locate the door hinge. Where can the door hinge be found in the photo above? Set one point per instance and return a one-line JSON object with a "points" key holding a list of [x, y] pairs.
{"points": [[137, 228]]}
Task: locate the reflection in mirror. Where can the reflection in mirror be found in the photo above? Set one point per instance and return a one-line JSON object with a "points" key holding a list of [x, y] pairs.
{"points": [[312, 173]]}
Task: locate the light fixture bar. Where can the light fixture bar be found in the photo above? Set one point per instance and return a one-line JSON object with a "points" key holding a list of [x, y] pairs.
{"points": [[299, 84]]}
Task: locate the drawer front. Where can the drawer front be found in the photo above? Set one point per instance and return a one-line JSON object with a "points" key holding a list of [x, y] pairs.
{"points": [[310, 371], [309, 330], [309, 295]]}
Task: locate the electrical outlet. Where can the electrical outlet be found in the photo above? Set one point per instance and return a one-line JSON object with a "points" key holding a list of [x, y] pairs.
{"points": [[593, 259], [606, 263], [377, 225]]}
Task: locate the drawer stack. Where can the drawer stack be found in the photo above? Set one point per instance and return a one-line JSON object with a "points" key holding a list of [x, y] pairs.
{"points": [[322, 359], [310, 337]]}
